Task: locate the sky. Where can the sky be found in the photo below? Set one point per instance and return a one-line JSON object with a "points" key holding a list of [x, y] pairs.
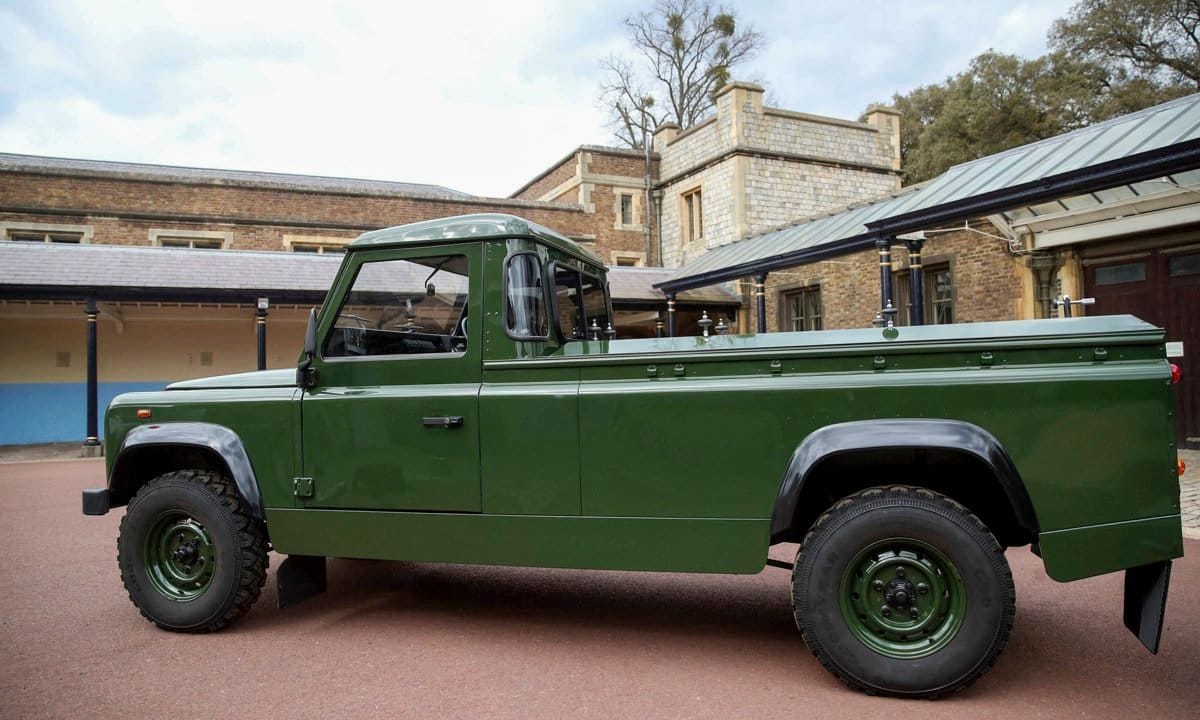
{"points": [[475, 96]]}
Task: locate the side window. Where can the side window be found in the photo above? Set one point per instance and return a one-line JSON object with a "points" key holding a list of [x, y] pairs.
{"points": [[581, 303], [524, 301], [566, 302], [416, 306]]}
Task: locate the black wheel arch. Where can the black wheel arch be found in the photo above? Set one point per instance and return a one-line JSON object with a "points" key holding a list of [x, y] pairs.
{"points": [[149, 451], [958, 459]]}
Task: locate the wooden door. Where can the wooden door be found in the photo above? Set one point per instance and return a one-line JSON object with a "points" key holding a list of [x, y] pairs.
{"points": [[1161, 287]]}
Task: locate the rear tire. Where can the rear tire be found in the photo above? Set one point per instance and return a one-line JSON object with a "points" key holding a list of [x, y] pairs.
{"points": [[901, 591], [192, 557]]}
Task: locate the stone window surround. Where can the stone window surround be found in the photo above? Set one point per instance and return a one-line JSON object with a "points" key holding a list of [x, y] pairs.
{"points": [[158, 234], [321, 241], [638, 258], [635, 212], [84, 231], [686, 219]]}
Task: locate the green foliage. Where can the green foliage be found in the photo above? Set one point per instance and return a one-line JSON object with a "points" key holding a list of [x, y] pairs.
{"points": [[1002, 101], [1156, 41], [684, 52]]}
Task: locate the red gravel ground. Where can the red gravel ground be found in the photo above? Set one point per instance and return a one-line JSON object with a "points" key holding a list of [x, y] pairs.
{"points": [[424, 641]]}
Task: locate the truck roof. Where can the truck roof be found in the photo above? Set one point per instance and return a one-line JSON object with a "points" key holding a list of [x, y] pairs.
{"points": [[470, 228]]}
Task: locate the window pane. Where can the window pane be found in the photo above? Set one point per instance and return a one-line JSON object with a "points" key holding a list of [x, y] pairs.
{"points": [[691, 217], [812, 299], [595, 306], [403, 307], [939, 288], [26, 237], [207, 244], [61, 238], [526, 311], [699, 215], [1183, 265], [566, 294], [1116, 274], [174, 242], [626, 209]]}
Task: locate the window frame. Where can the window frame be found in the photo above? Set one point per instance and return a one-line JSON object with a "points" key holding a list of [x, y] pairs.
{"points": [[547, 306], [551, 273], [157, 235], [321, 244], [693, 228], [902, 283], [785, 295], [621, 198], [348, 288], [81, 234]]}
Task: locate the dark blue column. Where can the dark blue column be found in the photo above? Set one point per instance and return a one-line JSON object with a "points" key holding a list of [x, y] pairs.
{"points": [[93, 420], [885, 274], [916, 282], [760, 297], [671, 315], [260, 322]]}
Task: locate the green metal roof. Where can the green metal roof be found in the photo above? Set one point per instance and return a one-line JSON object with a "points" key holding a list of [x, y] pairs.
{"points": [[1157, 141], [470, 228]]}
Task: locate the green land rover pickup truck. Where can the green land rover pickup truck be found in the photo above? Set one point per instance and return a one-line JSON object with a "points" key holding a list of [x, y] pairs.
{"points": [[459, 400]]}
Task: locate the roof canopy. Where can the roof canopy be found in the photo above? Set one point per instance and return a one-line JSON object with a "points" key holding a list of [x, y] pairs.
{"points": [[1130, 149], [54, 271]]}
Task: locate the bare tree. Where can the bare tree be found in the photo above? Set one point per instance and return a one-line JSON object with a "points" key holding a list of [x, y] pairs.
{"points": [[685, 50]]}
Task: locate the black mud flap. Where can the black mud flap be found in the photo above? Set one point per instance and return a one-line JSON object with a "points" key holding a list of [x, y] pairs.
{"points": [[1146, 601], [299, 578]]}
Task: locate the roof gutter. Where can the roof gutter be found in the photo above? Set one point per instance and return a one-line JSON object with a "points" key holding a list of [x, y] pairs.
{"points": [[1122, 171], [798, 257]]}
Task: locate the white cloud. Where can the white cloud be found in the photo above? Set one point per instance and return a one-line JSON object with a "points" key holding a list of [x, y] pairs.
{"points": [[479, 96]]}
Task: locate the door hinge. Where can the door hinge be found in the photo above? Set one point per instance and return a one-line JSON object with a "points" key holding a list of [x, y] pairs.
{"points": [[302, 487]]}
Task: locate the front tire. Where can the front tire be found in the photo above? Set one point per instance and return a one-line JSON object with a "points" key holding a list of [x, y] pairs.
{"points": [[192, 557], [901, 591]]}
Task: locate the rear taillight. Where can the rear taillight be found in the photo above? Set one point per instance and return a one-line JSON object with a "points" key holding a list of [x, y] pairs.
{"points": [[1176, 374], [1180, 466]]}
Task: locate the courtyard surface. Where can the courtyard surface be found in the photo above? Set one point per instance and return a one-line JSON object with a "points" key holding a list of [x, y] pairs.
{"points": [[424, 641]]}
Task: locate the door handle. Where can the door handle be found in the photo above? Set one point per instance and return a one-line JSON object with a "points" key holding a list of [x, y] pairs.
{"points": [[443, 421]]}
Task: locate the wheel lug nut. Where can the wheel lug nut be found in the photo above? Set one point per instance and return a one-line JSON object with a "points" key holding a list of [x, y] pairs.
{"points": [[899, 572], [885, 611], [912, 612], [878, 584], [922, 588]]}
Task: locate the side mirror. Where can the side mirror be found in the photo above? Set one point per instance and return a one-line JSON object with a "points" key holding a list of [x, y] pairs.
{"points": [[306, 374]]}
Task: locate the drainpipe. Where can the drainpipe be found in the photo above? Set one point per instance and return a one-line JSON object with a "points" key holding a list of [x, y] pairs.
{"points": [[646, 212]]}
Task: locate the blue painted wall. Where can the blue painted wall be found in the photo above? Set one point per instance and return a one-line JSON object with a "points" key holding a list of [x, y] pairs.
{"points": [[54, 412]]}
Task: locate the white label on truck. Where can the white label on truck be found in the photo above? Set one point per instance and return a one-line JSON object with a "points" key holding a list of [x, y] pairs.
{"points": [[1175, 349]]}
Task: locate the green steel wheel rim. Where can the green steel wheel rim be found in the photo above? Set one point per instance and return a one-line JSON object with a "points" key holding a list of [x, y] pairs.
{"points": [[179, 556], [903, 598]]}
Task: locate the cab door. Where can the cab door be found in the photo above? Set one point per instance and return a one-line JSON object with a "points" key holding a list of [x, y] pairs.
{"points": [[392, 423]]}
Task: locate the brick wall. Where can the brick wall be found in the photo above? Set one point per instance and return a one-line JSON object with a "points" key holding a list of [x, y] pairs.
{"points": [[552, 178], [986, 281], [124, 211]]}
